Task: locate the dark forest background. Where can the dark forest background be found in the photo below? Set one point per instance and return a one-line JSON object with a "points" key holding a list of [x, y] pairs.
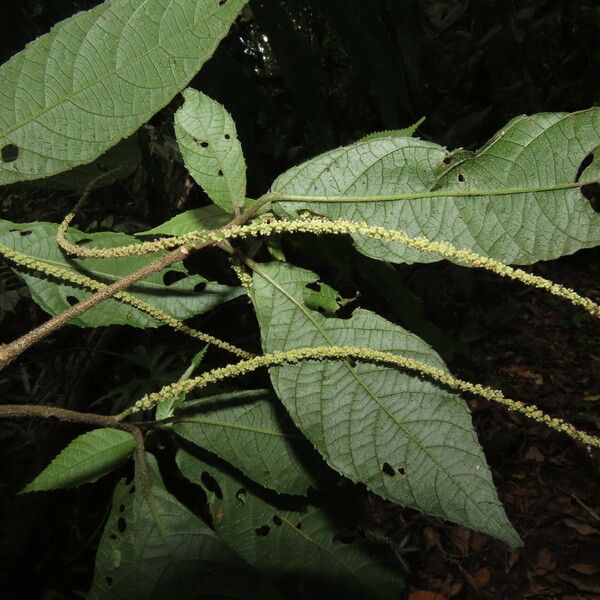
{"points": [[300, 77]]}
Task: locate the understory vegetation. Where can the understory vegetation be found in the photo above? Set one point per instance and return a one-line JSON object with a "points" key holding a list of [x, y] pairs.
{"points": [[254, 257]]}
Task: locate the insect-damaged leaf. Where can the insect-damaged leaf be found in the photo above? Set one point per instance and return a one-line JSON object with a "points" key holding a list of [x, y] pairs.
{"points": [[295, 544], [210, 148], [407, 439], [154, 548], [96, 77], [517, 199]]}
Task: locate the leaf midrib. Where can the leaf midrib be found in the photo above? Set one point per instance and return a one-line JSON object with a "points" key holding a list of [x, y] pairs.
{"points": [[115, 71], [227, 425], [377, 401]]}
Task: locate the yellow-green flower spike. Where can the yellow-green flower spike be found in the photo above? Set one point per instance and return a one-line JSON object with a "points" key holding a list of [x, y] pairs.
{"points": [[343, 227], [366, 355]]}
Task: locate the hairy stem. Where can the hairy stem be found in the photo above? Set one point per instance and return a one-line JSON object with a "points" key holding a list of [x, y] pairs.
{"points": [[63, 275], [62, 414], [9, 352]]}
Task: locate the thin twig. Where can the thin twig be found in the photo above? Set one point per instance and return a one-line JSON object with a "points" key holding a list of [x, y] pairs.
{"points": [[9, 352], [16, 411], [62, 414]]}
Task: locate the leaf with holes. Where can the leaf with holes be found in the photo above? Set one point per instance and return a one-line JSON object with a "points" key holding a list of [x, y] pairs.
{"points": [[518, 199], [405, 438], [210, 148], [173, 290], [156, 549], [295, 544], [250, 430], [86, 459], [96, 77]]}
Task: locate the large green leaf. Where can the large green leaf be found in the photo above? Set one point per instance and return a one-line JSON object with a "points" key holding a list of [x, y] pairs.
{"points": [[296, 545], [153, 548], [96, 77], [172, 290], [210, 149], [407, 439], [86, 459], [542, 153], [250, 431]]}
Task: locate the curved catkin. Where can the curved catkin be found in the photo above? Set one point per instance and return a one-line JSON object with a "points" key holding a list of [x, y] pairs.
{"points": [[320, 226], [365, 355], [66, 276]]}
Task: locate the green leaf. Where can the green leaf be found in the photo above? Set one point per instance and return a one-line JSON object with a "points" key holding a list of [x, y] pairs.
{"points": [[250, 431], [405, 438], [118, 163], [187, 296], [198, 219], [210, 149], [86, 459], [324, 298], [166, 408], [501, 218], [296, 545], [153, 548], [96, 77], [406, 132]]}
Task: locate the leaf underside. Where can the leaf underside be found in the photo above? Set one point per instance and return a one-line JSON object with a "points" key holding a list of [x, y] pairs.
{"points": [[298, 547], [211, 151], [153, 548], [179, 294], [531, 152], [251, 432], [98, 76], [407, 439], [119, 162]]}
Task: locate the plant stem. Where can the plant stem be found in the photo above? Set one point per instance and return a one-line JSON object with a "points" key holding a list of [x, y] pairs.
{"points": [[9, 352], [62, 414]]}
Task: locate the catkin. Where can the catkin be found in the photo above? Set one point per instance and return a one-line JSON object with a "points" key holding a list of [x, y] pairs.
{"points": [[320, 226], [365, 355]]}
